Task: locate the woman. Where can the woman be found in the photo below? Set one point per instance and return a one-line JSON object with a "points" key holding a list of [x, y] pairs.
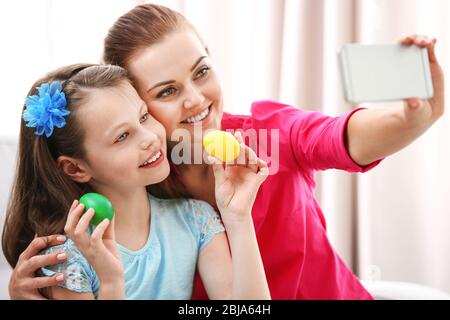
{"points": [[173, 74]]}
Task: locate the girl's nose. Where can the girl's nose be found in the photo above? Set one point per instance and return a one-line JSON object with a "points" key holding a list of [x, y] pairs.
{"points": [[194, 97], [149, 139]]}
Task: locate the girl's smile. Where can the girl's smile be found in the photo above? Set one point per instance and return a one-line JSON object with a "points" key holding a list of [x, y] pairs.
{"points": [[123, 138]]}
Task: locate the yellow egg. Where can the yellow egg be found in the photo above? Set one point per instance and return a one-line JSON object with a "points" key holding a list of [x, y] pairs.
{"points": [[221, 145]]}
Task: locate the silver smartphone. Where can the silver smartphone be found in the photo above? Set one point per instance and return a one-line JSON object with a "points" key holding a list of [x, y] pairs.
{"points": [[384, 72]]}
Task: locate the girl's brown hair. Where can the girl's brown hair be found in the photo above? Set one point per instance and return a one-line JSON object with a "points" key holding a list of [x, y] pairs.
{"points": [[42, 193]]}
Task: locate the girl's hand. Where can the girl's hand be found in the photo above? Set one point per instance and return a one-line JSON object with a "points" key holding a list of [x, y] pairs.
{"points": [[237, 183], [100, 249], [417, 111]]}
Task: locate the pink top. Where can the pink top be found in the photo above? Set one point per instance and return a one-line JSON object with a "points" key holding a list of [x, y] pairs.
{"points": [[298, 258]]}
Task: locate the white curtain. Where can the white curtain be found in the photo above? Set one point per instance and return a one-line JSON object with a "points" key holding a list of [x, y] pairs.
{"points": [[392, 223]]}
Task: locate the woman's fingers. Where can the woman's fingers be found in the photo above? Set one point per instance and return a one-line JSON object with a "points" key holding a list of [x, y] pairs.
{"points": [[43, 282], [423, 42], [39, 261], [38, 244]]}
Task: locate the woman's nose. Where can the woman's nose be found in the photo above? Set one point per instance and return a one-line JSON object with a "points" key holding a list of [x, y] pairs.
{"points": [[194, 97]]}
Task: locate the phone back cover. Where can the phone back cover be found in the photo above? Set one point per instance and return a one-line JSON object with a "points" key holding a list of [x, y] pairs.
{"points": [[385, 72]]}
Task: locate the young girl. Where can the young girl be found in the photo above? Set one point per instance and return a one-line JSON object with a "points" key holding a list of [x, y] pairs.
{"points": [[174, 75], [85, 129]]}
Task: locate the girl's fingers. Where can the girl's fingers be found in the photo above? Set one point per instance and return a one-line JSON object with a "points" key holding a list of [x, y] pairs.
{"points": [[99, 231], [247, 158], [73, 217], [109, 232], [263, 169], [218, 170], [238, 136], [80, 235], [74, 204]]}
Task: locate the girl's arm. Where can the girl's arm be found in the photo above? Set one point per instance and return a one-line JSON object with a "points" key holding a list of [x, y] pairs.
{"points": [[107, 292], [375, 134], [236, 186], [242, 277]]}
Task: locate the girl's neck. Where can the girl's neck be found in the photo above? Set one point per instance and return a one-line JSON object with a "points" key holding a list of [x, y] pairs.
{"points": [[132, 216], [199, 181]]}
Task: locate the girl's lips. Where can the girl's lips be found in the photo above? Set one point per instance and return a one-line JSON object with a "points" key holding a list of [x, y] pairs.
{"points": [[154, 163]]}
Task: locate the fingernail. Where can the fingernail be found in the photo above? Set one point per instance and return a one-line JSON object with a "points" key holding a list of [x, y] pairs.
{"points": [[60, 277], [61, 256], [61, 238]]}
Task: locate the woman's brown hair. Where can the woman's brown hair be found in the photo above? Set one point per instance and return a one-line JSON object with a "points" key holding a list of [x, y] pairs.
{"points": [[141, 27], [41, 193]]}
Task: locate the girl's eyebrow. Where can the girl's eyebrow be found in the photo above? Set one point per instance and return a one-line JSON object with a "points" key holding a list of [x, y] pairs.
{"points": [[123, 124], [172, 81]]}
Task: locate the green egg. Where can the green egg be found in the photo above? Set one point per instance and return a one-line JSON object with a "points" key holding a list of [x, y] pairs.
{"points": [[101, 205]]}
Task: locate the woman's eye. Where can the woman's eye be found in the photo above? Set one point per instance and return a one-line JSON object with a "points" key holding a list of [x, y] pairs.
{"points": [[144, 117], [167, 92], [122, 137], [202, 72]]}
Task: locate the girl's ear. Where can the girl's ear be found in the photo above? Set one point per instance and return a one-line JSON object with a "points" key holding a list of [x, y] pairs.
{"points": [[74, 169]]}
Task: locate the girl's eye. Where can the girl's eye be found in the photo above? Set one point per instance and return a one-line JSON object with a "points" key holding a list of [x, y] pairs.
{"points": [[203, 72], [167, 92], [144, 117], [122, 137]]}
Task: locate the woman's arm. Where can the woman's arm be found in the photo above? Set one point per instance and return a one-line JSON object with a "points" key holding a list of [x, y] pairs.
{"points": [[243, 276], [24, 284], [375, 134]]}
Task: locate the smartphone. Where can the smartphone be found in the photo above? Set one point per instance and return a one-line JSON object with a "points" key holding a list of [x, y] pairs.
{"points": [[384, 72]]}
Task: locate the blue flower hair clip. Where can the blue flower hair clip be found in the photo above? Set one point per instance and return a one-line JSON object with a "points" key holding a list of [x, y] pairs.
{"points": [[46, 110]]}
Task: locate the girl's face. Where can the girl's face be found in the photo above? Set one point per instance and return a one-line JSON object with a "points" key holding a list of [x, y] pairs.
{"points": [[125, 146], [176, 79]]}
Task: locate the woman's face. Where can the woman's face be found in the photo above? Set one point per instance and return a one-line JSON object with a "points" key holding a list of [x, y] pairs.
{"points": [[125, 146], [176, 79]]}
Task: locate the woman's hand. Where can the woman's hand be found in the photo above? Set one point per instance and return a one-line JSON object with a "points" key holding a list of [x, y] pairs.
{"points": [[375, 134], [426, 112], [24, 284], [100, 249], [237, 183]]}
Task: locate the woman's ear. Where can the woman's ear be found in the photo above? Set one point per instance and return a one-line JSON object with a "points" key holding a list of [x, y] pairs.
{"points": [[73, 168]]}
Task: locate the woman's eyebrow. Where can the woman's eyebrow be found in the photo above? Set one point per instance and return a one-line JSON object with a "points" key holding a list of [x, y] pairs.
{"points": [[198, 61], [172, 81], [161, 84]]}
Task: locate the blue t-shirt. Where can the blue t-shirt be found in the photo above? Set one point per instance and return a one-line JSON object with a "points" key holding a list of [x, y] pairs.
{"points": [[164, 267]]}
